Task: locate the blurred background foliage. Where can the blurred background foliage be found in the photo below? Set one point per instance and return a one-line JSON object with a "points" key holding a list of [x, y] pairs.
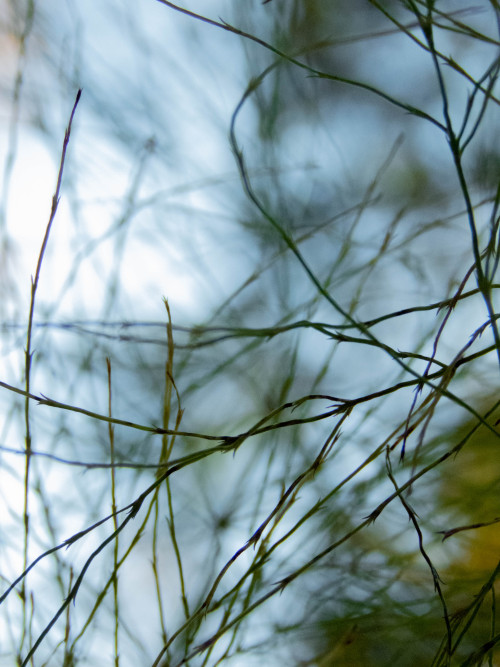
{"points": [[153, 205]]}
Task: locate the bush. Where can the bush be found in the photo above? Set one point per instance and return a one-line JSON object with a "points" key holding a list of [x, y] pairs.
{"points": [[250, 393]]}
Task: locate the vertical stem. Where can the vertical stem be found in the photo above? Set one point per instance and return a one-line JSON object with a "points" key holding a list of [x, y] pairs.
{"points": [[29, 356], [111, 432]]}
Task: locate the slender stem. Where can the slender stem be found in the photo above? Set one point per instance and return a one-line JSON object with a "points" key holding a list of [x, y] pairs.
{"points": [[29, 352]]}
